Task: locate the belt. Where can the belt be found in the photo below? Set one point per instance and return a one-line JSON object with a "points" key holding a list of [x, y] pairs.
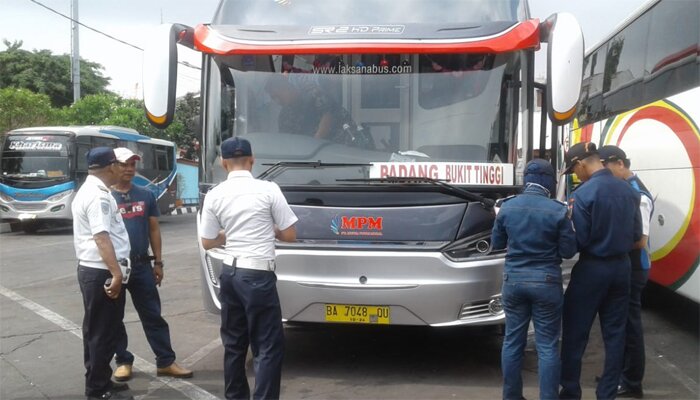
{"points": [[250, 263]]}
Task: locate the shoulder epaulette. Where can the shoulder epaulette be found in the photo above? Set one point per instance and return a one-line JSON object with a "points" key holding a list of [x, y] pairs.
{"points": [[500, 202]]}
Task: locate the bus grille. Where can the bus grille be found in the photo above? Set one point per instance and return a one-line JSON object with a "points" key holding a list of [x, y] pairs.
{"points": [[475, 310], [33, 206]]}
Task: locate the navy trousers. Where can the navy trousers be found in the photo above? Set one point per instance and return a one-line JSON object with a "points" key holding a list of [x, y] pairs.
{"points": [[144, 295], [251, 315], [633, 370], [100, 321], [597, 287]]}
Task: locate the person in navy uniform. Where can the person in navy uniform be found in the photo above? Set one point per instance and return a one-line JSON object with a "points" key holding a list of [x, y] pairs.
{"points": [[605, 212], [139, 210], [538, 234], [615, 159], [246, 215]]}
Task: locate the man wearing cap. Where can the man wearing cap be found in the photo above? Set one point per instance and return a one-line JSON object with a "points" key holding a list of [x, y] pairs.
{"points": [[538, 233], [139, 210], [100, 241], [605, 211], [246, 215], [615, 159]]}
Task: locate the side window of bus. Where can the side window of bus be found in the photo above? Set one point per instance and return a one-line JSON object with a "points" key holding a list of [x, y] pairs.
{"points": [[624, 66], [593, 85], [671, 62], [101, 141], [163, 161]]}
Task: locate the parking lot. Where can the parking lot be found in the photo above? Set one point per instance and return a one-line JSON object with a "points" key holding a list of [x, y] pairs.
{"points": [[41, 350]]}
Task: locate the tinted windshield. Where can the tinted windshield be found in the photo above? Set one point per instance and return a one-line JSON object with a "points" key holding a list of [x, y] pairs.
{"points": [[325, 12], [365, 109], [35, 160]]}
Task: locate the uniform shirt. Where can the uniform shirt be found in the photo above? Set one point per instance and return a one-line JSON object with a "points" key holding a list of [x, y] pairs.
{"points": [[538, 233], [247, 209], [640, 257], [135, 207], [94, 211], [605, 211]]}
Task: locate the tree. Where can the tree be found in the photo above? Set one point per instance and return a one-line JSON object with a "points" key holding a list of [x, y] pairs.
{"points": [[42, 72], [20, 108]]}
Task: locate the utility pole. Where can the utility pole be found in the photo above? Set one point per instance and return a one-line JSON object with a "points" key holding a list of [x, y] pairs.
{"points": [[75, 51]]}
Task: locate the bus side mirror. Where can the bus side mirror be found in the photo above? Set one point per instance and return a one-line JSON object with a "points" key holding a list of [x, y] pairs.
{"points": [[160, 72], [563, 34]]}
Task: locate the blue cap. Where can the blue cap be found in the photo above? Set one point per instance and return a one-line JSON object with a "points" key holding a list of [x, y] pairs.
{"points": [[235, 147], [541, 172], [100, 157]]}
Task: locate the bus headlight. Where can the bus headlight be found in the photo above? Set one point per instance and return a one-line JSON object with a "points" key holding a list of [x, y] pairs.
{"points": [[60, 196], [6, 198]]}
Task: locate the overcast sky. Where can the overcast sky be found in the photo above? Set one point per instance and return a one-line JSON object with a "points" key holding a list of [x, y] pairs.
{"points": [[131, 20]]}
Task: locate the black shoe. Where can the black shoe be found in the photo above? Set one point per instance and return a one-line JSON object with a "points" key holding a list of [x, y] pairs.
{"points": [[624, 392], [112, 395], [118, 387]]}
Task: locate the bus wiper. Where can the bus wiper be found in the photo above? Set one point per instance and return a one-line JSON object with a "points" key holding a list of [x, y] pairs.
{"points": [[280, 166], [452, 189]]}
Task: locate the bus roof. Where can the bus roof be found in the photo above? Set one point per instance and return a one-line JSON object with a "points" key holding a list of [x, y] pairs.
{"points": [[636, 14], [114, 132]]}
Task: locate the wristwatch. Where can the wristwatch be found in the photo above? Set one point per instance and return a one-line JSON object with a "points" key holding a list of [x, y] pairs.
{"points": [[158, 263]]}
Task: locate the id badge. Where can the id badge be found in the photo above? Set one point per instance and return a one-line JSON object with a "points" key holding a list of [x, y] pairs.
{"points": [[125, 266]]}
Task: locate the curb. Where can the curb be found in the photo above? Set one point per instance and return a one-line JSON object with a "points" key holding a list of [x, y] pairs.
{"points": [[184, 210]]}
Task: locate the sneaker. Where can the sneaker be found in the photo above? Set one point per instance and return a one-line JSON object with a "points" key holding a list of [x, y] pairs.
{"points": [[175, 371]]}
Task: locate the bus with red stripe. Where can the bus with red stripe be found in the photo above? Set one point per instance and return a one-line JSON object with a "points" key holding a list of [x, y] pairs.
{"points": [[641, 92], [391, 128]]}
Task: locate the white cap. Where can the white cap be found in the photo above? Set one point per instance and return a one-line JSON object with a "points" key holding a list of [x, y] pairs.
{"points": [[124, 155]]}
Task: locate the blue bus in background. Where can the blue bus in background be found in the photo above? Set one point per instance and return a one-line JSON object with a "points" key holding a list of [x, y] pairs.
{"points": [[42, 168]]}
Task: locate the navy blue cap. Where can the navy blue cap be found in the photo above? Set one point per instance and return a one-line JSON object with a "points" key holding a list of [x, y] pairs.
{"points": [[100, 157], [235, 147], [611, 153], [578, 152], [539, 166]]}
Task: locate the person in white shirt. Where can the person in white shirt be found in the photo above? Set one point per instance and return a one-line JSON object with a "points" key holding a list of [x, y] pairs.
{"points": [[246, 215], [100, 241]]}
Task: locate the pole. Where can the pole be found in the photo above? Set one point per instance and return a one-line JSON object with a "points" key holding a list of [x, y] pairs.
{"points": [[75, 52]]}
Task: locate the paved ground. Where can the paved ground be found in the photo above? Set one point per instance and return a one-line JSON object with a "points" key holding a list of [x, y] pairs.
{"points": [[41, 350]]}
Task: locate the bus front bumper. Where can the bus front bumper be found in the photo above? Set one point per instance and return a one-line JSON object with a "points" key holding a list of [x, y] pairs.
{"points": [[419, 288]]}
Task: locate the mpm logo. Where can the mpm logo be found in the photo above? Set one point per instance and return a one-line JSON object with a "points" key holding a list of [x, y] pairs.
{"points": [[353, 226]]}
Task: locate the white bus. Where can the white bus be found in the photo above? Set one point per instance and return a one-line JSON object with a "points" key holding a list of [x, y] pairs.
{"points": [[41, 169], [391, 129], [641, 92]]}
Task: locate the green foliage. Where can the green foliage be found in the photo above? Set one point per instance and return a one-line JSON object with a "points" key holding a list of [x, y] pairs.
{"points": [[35, 90], [21, 108], [49, 74]]}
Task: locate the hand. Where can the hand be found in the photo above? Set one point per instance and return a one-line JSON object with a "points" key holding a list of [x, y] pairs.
{"points": [[114, 288], [158, 274]]}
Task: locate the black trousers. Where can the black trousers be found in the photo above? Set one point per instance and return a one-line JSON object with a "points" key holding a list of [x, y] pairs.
{"points": [[100, 324], [251, 315], [633, 370]]}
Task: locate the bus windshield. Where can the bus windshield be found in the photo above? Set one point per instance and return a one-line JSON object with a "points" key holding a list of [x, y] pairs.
{"points": [[363, 12], [34, 161], [397, 108]]}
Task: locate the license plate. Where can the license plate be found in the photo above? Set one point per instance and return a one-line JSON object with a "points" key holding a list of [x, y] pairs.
{"points": [[357, 314], [26, 216]]}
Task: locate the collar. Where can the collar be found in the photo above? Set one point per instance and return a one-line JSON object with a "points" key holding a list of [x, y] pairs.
{"points": [[93, 180], [601, 172], [239, 174], [534, 188]]}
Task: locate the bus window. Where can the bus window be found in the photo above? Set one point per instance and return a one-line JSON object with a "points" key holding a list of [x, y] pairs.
{"points": [[624, 66], [100, 141], [162, 160], [672, 47]]}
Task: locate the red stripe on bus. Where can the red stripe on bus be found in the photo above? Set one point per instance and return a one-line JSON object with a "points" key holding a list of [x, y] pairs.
{"points": [[524, 36]]}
